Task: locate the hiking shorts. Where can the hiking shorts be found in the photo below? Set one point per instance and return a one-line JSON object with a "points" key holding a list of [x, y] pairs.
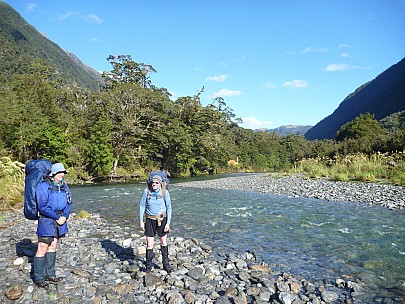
{"points": [[152, 228], [48, 239]]}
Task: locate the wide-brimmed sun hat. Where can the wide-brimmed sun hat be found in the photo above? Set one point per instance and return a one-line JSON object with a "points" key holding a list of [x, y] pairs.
{"points": [[56, 168]]}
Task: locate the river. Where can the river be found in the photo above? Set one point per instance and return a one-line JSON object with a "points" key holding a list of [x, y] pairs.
{"points": [[316, 239]]}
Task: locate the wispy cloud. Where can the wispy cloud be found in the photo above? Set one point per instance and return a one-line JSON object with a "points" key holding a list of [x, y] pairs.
{"points": [[90, 18], [254, 123], [296, 84], [356, 67], [307, 50], [337, 67], [224, 93], [343, 67], [30, 7], [269, 85], [313, 50], [96, 40], [93, 18], [344, 55], [342, 45], [218, 78]]}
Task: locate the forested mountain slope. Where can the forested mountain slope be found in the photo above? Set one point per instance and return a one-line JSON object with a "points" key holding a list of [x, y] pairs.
{"points": [[20, 43], [381, 97]]}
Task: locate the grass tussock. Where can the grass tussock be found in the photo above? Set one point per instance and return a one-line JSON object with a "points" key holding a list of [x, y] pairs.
{"points": [[377, 167], [83, 214], [11, 184]]}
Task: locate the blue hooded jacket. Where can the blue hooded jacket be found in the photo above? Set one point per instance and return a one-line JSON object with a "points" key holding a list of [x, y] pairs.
{"points": [[52, 204]]}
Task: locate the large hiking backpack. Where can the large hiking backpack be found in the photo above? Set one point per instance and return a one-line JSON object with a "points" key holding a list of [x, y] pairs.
{"points": [[35, 172], [163, 175]]}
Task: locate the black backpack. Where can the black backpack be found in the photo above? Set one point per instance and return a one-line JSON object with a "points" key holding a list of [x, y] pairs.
{"points": [[35, 173]]}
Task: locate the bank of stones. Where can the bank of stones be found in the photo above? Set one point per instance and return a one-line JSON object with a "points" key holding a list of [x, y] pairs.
{"points": [[389, 196], [103, 263]]}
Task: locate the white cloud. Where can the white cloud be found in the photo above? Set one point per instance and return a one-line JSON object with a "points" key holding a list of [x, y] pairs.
{"points": [[307, 50], [343, 67], [356, 67], [91, 18], [337, 67], [219, 78], [342, 45], [96, 40], [269, 85], [224, 93], [66, 15], [344, 55], [254, 123], [30, 7], [296, 84]]}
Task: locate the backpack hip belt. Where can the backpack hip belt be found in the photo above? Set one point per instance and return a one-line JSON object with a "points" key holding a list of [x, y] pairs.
{"points": [[159, 218]]}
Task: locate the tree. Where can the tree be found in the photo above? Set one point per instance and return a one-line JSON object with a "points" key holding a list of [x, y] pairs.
{"points": [[125, 70], [363, 126]]}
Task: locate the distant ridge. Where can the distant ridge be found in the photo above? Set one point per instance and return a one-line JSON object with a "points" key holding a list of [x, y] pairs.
{"points": [[381, 97], [290, 129]]}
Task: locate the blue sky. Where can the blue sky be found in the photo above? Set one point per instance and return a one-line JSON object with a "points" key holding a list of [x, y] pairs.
{"points": [[274, 62]]}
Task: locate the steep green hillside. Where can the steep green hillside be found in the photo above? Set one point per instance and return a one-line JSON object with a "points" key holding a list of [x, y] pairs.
{"points": [[382, 96], [20, 43]]}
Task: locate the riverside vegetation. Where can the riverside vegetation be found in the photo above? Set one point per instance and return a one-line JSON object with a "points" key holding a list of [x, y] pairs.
{"points": [[129, 126]]}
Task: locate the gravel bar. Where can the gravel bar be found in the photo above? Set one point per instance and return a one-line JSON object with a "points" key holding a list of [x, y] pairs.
{"points": [[390, 196]]}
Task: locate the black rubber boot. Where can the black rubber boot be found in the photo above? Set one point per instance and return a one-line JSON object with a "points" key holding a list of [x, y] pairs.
{"points": [[149, 258], [39, 274], [165, 259], [50, 268]]}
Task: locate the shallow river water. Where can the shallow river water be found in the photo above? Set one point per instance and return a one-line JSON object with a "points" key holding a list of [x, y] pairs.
{"points": [[316, 239]]}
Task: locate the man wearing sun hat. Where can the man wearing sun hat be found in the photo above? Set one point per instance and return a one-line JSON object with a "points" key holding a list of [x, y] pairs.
{"points": [[54, 205], [156, 206]]}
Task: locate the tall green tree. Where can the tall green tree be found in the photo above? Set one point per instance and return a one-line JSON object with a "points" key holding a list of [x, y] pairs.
{"points": [[125, 70], [362, 126]]}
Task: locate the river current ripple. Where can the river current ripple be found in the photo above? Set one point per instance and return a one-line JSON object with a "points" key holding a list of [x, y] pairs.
{"points": [[316, 239]]}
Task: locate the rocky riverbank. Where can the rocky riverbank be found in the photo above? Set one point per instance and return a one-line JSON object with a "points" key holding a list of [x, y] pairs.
{"points": [[103, 263], [389, 196]]}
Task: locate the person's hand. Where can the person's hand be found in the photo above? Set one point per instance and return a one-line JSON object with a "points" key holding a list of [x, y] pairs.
{"points": [[61, 220], [142, 225], [167, 228]]}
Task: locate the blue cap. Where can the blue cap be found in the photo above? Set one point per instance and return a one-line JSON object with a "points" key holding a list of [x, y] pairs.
{"points": [[56, 168], [157, 178]]}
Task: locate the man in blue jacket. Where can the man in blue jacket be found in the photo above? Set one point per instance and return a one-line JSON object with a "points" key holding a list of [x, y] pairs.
{"points": [[54, 205]]}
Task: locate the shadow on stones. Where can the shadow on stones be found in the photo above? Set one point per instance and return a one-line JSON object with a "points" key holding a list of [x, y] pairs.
{"points": [[27, 248], [119, 252]]}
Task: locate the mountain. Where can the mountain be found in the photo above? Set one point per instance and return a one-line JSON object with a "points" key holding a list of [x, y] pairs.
{"points": [[290, 129], [381, 97], [20, 43]]}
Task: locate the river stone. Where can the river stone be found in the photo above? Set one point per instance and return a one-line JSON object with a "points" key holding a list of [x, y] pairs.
{"points": [[18, 261], [295, 287], [14, 292], [329, 296]]}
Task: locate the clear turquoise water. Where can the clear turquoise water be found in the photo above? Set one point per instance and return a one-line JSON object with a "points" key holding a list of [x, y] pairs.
{"points": [[316, 239]]}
